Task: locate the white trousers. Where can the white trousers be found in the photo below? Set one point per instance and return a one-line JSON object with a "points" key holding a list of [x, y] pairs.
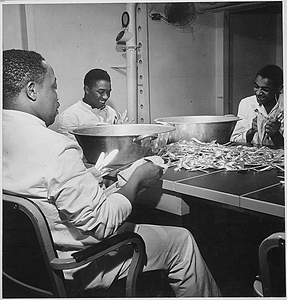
{"points": [[168, 248]]}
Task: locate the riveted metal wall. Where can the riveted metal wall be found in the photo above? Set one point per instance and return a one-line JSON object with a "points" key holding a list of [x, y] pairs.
{"points": [[143, 63]]}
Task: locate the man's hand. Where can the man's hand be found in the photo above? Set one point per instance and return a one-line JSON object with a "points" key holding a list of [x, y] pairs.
{"points": [[122, 118], [250, 133], [143, 176], [254, 125], [272, 127], [148, 174], [97, 174]]}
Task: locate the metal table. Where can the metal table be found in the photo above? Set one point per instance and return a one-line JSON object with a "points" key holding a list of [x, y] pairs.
{"points": [[255, 191]]}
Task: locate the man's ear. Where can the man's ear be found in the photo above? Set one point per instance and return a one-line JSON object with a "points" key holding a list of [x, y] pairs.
{"points": [[31, 91], [86, 90], [280, 88]]}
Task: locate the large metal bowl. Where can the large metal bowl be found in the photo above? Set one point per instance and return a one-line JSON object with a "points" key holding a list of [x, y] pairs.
{"points": [[133, 141], [203, 128]]}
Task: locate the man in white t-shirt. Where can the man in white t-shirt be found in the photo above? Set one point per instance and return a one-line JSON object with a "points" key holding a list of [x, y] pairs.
{"points": [[92, 109], [262, 115]]}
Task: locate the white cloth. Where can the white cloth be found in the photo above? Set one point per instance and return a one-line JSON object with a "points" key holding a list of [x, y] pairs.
{"points": [[248, 109], [81, 114], [38, 162], [124, 175]]}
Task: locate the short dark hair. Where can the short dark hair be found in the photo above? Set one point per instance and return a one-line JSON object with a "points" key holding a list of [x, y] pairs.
{"points": [[273, 73], [95, 75], [20, 67]]}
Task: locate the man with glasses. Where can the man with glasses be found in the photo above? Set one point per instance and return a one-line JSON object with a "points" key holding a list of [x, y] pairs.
{"points": [[262, 114]]}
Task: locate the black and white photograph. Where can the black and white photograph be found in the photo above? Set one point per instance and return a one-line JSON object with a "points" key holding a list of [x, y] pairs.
{"points": [[143, 149]]}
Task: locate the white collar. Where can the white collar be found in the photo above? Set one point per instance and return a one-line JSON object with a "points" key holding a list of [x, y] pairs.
{"points": [[22, 117], [88, 106]]}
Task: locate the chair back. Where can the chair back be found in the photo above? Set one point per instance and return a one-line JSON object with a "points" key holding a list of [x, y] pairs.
{"points": [[272, 265], [28, 249]]}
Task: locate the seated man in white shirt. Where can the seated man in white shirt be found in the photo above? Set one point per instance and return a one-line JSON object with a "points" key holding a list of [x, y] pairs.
{"points": [[262, 115], [93, 108], [47, 167]]}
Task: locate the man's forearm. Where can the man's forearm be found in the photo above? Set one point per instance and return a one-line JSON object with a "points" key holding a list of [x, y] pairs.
{"points": [[249, 135], [278, 139], [130, 189]]}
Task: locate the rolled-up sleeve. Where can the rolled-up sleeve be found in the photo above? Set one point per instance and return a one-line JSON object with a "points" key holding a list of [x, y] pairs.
{"points": [[80, 200]]}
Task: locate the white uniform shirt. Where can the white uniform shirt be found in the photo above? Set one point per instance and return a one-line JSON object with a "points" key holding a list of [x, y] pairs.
{"points": [[81, 114], [41, 163], [248, 109]]}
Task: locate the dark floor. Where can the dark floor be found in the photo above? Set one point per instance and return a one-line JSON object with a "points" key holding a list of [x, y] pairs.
{"points": [[228, 240]]}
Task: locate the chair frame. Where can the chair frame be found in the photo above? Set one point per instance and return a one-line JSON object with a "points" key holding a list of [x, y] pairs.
{"points": [[275, 240], [55, 265]]}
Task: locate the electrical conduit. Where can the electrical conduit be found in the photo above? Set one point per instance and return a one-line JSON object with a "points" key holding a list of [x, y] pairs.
{"points": [[131, 65]]}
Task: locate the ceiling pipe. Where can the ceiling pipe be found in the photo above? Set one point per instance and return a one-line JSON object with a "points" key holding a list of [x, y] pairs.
{"points": [[23, 26], [131, 65]]}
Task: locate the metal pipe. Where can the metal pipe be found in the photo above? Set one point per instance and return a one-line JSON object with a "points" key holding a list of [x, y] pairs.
{"points": [[23, 26], [131, 64]]}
